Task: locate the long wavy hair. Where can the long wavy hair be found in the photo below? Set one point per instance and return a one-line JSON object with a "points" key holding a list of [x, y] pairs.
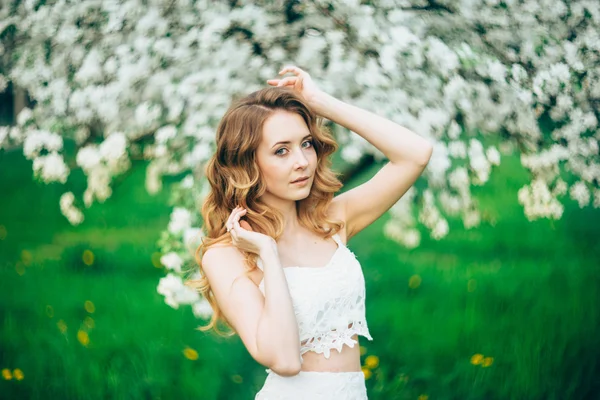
{"points": [[235, 179]]}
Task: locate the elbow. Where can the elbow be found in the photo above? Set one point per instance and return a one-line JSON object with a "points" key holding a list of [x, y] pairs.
{"points": [[426, 155], [287, 368]]}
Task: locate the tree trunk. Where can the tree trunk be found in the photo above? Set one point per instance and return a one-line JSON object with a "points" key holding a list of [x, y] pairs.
{"points": [[19, 101]]}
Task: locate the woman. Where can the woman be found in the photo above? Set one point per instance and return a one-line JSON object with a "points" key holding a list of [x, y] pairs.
{"points": [[274, 261]]}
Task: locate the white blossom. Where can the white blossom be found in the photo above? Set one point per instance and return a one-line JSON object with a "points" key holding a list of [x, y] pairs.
{"points": [[202, 309], [580, 193], [38, 140], [51, 168], [181, 219], [67, 208], [175, 292], [88, 157], [163, 82], [192, 238], [172, 261], [493, 155], [24, 116]]}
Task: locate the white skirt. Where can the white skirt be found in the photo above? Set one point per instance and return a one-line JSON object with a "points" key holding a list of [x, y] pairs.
{"points": [[314, 386]]}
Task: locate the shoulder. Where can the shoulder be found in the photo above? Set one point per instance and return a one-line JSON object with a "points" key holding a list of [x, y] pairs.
{"points": [[223, 262], [219, 251]]}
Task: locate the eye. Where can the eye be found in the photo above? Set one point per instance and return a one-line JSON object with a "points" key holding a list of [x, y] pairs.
{"points": [[310, 144]]}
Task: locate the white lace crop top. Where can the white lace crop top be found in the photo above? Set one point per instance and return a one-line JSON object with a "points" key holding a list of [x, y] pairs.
{"points": [[329, 302]]}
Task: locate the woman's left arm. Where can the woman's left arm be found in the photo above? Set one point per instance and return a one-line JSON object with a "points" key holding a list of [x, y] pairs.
{"points": [[408, 155]]}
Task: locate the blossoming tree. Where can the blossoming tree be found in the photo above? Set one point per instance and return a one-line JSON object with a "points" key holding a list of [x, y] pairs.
{"points": [[122, 80]]}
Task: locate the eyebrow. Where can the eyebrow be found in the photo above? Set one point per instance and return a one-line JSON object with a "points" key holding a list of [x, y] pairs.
{"points": [[288, 142]]}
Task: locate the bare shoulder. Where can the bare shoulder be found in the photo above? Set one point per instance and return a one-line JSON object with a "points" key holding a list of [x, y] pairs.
{"points": [[223, 262], [226, 262]]}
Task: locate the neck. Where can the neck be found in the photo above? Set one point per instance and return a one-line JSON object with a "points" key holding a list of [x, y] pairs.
{"points": [[291, 225]]}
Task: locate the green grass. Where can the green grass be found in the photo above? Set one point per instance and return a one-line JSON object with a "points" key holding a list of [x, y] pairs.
{"points": [[533, 305]]}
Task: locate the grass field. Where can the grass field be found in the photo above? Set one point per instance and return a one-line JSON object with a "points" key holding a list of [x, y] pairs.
{"points": [[509, 310]]}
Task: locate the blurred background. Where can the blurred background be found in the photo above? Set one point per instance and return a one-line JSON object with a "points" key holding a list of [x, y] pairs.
{"points": [[502, 311], [505, 308]]}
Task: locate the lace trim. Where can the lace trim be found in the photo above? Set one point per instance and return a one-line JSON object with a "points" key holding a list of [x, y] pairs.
{"points": [[335, 339]]}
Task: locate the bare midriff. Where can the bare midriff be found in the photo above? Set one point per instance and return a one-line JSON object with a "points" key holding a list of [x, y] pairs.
{"points": [[348, 360]]}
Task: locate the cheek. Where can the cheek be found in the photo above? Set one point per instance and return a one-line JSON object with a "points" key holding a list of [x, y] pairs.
{"points": [[312, 157], [273, 171]]}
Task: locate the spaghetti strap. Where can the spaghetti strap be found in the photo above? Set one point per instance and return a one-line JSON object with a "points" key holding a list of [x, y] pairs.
{"points": [[337, 239]]}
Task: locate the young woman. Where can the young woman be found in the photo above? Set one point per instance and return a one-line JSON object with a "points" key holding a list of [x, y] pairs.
{"points": [[274, 261]]}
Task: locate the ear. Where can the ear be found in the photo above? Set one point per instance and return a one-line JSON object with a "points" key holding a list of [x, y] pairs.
{"points": [[245, 225]]}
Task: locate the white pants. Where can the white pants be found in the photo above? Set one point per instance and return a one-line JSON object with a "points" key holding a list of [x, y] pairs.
{"points": [[314, 386]]}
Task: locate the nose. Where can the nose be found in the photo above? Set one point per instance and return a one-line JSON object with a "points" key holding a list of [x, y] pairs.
{"points": [[301, 160]]}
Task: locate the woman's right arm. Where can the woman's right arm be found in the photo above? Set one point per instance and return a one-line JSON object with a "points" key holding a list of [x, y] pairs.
{"points": [[266, 324]]}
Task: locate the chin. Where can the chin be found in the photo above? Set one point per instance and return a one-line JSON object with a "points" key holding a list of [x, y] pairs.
{"points": [[304, 196]]}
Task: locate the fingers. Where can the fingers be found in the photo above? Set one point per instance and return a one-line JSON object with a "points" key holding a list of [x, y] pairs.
{"points": [[289, 81], [232, 216], [228, 222], [291, 68], [236, 231]]}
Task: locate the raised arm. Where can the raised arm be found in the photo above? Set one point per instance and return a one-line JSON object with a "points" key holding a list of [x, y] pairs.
{"points": [[408, 155], [266, 324], [408, 152]]}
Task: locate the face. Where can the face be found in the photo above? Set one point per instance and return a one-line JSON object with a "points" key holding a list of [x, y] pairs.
{"points": [[286, 153]]}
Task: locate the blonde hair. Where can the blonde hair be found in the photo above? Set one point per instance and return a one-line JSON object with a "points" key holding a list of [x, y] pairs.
{"points": [[235, 179]]}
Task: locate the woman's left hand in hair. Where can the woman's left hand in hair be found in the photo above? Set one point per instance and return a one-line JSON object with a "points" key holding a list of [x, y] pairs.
{"points": [[300, 82]]}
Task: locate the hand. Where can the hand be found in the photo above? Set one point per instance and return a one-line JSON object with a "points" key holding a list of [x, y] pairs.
{"points": [[301, 82], [242, 235]]}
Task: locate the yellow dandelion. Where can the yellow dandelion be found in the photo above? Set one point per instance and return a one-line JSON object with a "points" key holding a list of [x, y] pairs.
{"points": [[372, 362], [403, 378], [156, 260], [2, 232], [363, 350], [487, 361], [49, 311], [20, 268], [477, 359], [26, 257], [190, 354], [423, 397], [471, 285], [237, 379], [367, 372], [414, 281], [83, 338], [6, 374], [61, 326], [18, 374], [88, 257], [89, 322], [89, 306]]}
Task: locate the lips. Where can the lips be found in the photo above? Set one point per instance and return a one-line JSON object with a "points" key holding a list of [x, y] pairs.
{"points": [[301, 179]]}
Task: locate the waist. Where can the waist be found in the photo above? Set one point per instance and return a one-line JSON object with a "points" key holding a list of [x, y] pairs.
{"points": [[348, 360]]}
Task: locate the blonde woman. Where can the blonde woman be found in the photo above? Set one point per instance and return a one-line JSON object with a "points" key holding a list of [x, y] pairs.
{"points": [[274, 262]]}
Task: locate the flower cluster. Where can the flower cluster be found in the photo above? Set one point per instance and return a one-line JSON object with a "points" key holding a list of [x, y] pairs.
{"points": [[121, 81]]}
